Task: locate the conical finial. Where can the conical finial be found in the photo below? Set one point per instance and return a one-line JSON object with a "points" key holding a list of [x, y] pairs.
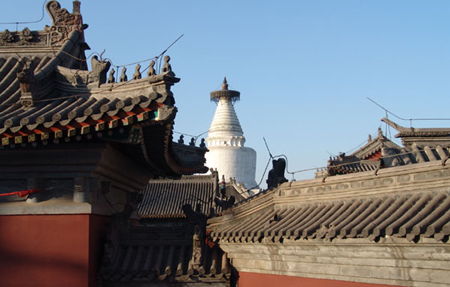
{"points": [[225, 84]]}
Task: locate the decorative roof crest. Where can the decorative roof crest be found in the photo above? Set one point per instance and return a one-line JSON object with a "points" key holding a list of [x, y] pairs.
{"points": [[64, 22], [62, 17]]}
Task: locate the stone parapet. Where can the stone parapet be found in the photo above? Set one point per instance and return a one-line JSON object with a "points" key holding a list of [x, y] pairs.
{"points": [[392, 261], [431, 176]]}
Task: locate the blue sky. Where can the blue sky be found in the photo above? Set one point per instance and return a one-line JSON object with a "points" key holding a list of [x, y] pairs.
{"points": [[304, 68]]}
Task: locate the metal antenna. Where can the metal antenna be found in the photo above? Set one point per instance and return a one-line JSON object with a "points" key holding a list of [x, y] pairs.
{"points": [[267, 147]]}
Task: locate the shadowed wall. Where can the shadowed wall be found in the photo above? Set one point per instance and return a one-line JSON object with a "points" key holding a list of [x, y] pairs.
{"points": [[50, 250]]}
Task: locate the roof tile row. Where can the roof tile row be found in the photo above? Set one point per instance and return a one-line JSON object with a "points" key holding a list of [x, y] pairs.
{"points": [[410, 216], [392, 157], [165, 198], [141, 258]]}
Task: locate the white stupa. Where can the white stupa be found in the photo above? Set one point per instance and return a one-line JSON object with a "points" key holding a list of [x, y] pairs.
{"points": [[226, 141]]}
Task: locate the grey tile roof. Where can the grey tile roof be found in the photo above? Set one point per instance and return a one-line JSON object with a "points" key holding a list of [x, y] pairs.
{"points": [[410, 216], [389, 157], [381, 152], [162, 254], [420, 136], [59, 107], [47, 92], [164, 198], [48, 96]]}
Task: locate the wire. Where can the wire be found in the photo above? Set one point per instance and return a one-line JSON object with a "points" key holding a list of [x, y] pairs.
{"points": [[398, 155], [130, 64], [149, 59], [273, 157], [268, 150], [173, 43], [262, 176], [356, 147], [120, 84], [156, 58], [410, 120], [192, 136], [110, 204], [27, 22]]}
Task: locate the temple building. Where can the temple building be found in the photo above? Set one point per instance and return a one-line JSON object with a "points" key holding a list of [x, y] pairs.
{"points": [[170, 244], [76, 147], [377, 217], [227, 153]]}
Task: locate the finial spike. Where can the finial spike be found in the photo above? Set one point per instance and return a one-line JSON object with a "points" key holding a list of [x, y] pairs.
{"points": [[225, 84]]}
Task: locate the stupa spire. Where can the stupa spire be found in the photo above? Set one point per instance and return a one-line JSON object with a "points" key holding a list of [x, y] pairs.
{"points": [[225, 93], [226, 140], [225, 84]]}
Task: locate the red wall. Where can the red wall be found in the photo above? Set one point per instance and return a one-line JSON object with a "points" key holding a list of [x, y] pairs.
{"points": [[50, 250], [268, 280]]}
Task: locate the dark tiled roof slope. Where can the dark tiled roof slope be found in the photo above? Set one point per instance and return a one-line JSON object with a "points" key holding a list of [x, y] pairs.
{"points": [[352, 166], [381, 152], [64, 109], [391, 157], [164, 198], [411, 216], [152, 254], [47, 93]]}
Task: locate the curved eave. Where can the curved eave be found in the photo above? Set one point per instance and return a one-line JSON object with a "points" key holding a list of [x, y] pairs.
{"points": [[157, 150], [182, 167]]}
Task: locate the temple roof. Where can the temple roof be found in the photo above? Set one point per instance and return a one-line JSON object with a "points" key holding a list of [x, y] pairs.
{"points": [[162, 254], [169, 243], [164, 198], [406, 215], [422, 145], [48, 96], [421, 136]]}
